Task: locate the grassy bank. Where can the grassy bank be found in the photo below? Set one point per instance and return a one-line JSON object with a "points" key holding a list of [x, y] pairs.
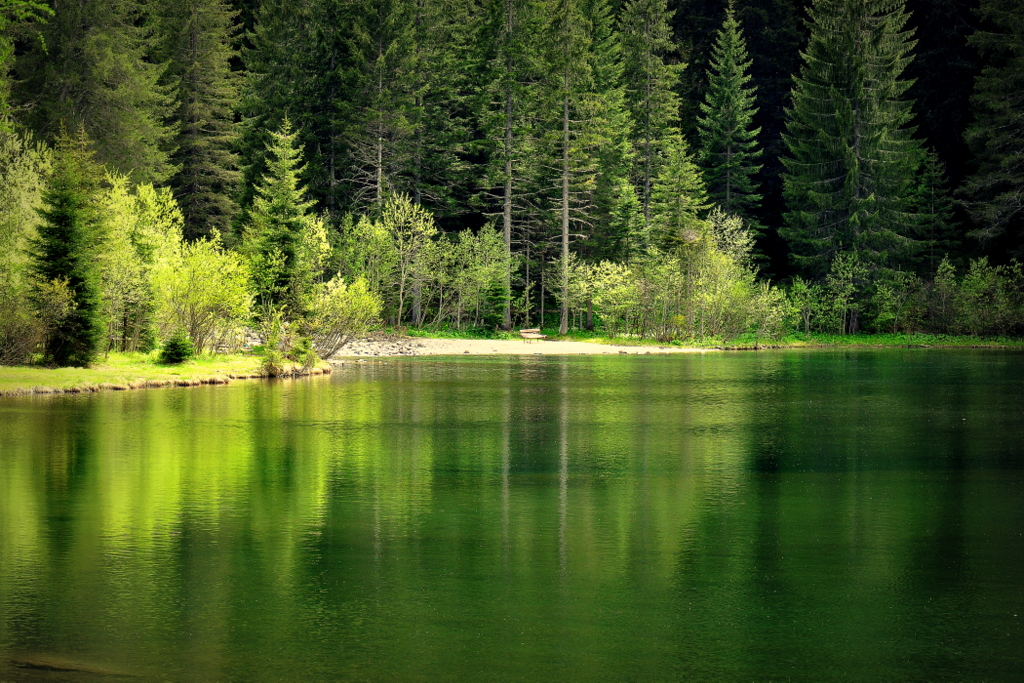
{"points": [[121, 371]]}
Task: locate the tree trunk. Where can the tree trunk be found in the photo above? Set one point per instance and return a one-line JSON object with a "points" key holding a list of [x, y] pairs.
{"points": [[563, 323]]}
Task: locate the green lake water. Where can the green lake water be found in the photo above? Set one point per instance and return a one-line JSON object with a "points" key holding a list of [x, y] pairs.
{"points": [[782, 515]]}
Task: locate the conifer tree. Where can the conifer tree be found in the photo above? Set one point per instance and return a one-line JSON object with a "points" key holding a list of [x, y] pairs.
{"points": [[651, 76], [281, 235], [196, 41], [65, 252], [933, 207], [507, 117], [679, 198], [91, 68], [996, 188], [728, 138], [13, 13], [851, 170], [382, 125]]}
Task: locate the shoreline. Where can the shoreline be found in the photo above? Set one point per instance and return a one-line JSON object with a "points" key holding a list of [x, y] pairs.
{"points": [[123, 372], [124, 383]]}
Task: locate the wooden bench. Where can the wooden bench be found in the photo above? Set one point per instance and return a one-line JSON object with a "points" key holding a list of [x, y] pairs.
{"points": [[532, 334]]}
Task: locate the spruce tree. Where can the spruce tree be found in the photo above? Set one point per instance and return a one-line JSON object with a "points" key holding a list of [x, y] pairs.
{"points": [[279, 225], [995, 189], [679, 198], [12, 14], [196, 42], [507, 115], [933, 207], [651, 75], [91, 67], [728, 138], [851, 170], [64, 253]]}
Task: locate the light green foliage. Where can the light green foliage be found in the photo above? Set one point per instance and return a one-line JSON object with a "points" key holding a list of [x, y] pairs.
{"points": [[339, 312], [204, 289], [891, 298], [24, 165], [390, 251], [136, 224], [703, 289], [989, 299], [806, 300], [728, 139], [851, 171], [846, 280], [286, 244]]}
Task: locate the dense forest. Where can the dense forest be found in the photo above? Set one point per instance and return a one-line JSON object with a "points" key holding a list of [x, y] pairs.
{"points": [[672, 169]]}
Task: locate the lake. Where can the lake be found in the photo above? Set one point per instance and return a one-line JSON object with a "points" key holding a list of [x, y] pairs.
{"points": [[851, 514]]}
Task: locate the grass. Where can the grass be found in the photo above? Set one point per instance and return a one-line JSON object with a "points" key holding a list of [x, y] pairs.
{"points": [[129, 371]]}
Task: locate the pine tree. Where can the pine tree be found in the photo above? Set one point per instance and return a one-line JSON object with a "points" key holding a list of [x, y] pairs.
{"points": [[933, 207], [996, 188], [382, 126], [678, 200], [507, 115], [64, 252], [90, 68], [280, 222], [12, 14], [196, 41], [729, 148], [651, 76], [850, 174]]}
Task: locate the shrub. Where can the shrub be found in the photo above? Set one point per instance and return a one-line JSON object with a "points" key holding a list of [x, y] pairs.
{"points": [[177, 349], [339, 312]]}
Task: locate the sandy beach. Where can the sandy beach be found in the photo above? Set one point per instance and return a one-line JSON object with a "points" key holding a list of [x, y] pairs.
{"points": [[418, 346]]}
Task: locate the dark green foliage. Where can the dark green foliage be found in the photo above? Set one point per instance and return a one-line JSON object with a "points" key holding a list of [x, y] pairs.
{"points": [[90, 67], [196, 40], [177, 349], [14, 14], [728, 138], [651, 75], [64, 252], [996, 188], [933, 206], [851, 171]]}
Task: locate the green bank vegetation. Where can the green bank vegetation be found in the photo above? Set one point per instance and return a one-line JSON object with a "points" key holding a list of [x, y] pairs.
{"points": [[216, 177]]}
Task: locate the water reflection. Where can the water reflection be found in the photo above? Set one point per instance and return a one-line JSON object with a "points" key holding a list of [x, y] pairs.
{"points": [[759, 515]]}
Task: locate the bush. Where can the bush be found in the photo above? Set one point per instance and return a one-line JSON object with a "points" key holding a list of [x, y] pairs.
{"points": [[177, 349], [338, 313]]}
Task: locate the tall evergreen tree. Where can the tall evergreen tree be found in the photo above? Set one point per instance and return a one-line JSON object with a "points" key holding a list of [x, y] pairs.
{"points": [[196, 40], [91, 68], [850, 174], [652, 70], [728, 138], [382, 126], [14, 13], [65, 252], [281, 227], [679, 198], [933, 206], [995, 189], [507, 115]]}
